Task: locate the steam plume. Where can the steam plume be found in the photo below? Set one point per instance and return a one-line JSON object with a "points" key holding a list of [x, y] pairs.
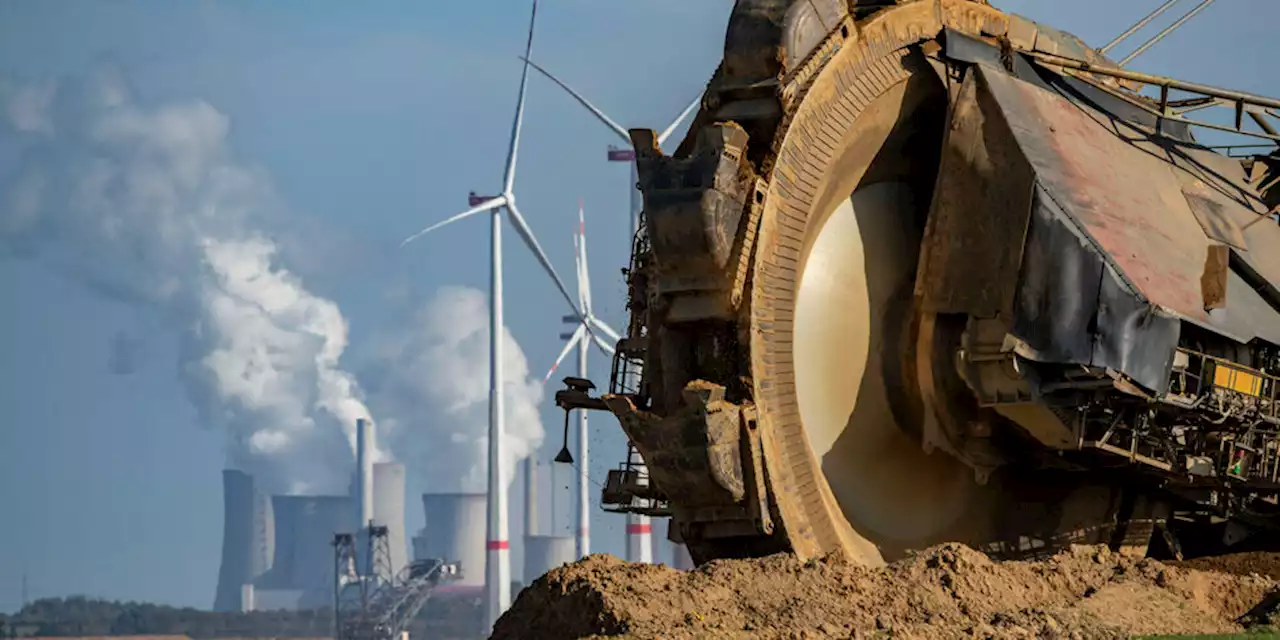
{"points": [[146, 205], [430, 381]]}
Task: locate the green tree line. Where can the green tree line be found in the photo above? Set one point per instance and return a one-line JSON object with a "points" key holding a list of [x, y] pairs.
{"points": [[81, 616]]}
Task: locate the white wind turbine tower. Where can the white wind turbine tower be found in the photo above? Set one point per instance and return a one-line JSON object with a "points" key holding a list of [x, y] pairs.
{"points": [[579, 338], [498, 555], [639, 530]]}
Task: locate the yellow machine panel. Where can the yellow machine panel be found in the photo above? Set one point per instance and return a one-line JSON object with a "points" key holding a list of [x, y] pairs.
{"points": [[1237, 379]]}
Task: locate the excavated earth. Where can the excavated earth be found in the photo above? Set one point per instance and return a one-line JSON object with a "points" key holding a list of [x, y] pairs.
{"points": [[949, 591]]}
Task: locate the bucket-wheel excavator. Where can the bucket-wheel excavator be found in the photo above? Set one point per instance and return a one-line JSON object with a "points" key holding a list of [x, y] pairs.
{"points": [[924, 271]]}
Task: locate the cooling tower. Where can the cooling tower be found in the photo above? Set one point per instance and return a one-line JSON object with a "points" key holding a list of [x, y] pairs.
{"points": [[388, 510], [660, 546], [681, 559], [544, 553], [303, 561], [455, 532], [247, 539]]}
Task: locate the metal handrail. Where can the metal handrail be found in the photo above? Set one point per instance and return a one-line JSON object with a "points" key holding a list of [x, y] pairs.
{"points": [[1267, 398], [1256, 106]]}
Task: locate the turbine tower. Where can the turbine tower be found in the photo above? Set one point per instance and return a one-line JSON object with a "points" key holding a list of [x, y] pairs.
{"points": [[638, 526], [579, 338], [498, 546]]}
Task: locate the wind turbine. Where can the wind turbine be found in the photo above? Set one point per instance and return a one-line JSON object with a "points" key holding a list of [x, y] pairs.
{"points": [[621, 155], [579, 338], [498, 554], [639, 529]]}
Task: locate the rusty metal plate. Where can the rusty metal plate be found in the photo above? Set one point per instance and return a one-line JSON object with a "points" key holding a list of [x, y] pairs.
{"points": [[1124, 201]]}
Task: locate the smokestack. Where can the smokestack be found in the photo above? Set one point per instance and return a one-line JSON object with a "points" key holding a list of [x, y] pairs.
{"points": [[247, 538], [364, 473], [455, 532], [544, 553], [388, 510], [362, 494]]}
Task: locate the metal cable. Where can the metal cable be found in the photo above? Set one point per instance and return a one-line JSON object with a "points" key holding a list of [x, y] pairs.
{"points": [[1138, 25], [1167, 30], [578, 469]]}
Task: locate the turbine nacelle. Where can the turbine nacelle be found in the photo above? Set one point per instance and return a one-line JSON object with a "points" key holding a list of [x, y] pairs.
{"points": [[621, 155]]}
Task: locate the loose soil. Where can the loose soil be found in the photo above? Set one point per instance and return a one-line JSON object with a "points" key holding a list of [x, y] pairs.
{"points": [[1266, 564], [950, 591]]}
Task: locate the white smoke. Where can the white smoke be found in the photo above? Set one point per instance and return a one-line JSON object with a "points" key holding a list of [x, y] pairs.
{"points": [[429, 383], [145, 204]]}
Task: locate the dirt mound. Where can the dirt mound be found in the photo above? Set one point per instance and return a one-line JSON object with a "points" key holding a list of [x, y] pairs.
{"points": [[1266, 564], [947, 591]]}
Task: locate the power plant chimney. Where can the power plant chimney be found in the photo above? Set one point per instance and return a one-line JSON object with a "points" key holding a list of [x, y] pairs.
{"points": [[364, 473], [362, 494]]}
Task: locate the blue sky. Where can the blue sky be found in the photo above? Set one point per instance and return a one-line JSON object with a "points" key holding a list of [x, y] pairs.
{"points": [[371, 120]]}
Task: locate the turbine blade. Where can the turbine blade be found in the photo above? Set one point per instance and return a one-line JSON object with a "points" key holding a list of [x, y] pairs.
{"points": [[604, 346], [577, 264], [483, 206], [568, 346], [584, 277], [530, 241], [671, 128], [509, 178], [617, 128], [604, 328]]}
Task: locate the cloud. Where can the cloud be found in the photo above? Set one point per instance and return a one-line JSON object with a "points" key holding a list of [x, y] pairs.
{"points": [[429, 381], [27, 106], [147, 205]]}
